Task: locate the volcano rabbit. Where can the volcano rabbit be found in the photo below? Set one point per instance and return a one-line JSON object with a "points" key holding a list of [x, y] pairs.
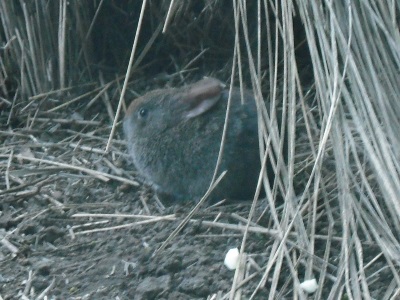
{"points": [[174, 138]]}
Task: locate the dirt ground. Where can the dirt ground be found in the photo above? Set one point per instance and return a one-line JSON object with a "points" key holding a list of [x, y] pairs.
{"points": [[48, 249], [76, 223], [53, 250]]}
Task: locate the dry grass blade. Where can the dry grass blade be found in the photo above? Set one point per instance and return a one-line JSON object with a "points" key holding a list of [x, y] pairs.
{"points": [[127, 75], [325, 79], [344, 40], [99, 175]]}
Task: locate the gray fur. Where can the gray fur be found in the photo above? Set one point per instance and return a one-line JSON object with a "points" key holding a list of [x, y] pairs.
{"points": [[175, 144]]}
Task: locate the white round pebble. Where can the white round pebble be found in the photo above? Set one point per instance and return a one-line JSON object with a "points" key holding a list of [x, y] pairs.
{"points": [[231, 258], [309, 286]]}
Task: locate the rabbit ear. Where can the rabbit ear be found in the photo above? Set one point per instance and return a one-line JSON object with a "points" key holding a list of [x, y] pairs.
{"points": [[202, 96]]}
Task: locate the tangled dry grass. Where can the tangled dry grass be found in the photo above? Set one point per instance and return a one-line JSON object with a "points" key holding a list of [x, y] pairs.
{"points": [[328, 70]]}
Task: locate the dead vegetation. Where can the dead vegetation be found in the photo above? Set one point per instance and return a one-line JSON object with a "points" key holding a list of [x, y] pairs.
{"points": [[329, 71]]}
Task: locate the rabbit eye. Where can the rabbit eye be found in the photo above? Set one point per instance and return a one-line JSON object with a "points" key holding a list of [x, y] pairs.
{"points": [[143, 112]]}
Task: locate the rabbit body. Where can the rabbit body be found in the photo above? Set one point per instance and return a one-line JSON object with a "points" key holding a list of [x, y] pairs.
{"points": [[174, 139]]}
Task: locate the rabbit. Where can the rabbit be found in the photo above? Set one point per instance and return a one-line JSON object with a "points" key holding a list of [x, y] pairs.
{"points": [[174, 137]]}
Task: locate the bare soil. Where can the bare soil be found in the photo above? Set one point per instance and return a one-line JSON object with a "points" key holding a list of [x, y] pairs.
{"points": [[56, 171], [49, 250]]}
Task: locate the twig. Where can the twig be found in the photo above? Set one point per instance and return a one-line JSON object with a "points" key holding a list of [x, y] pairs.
{"points": [[69, 121], [153, 220], [128, 73], [97, 174], [46, 290], [6, 243]]}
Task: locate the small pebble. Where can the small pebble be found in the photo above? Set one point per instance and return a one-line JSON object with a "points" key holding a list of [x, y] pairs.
{"points": [[231, 258], [309, 286]]}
